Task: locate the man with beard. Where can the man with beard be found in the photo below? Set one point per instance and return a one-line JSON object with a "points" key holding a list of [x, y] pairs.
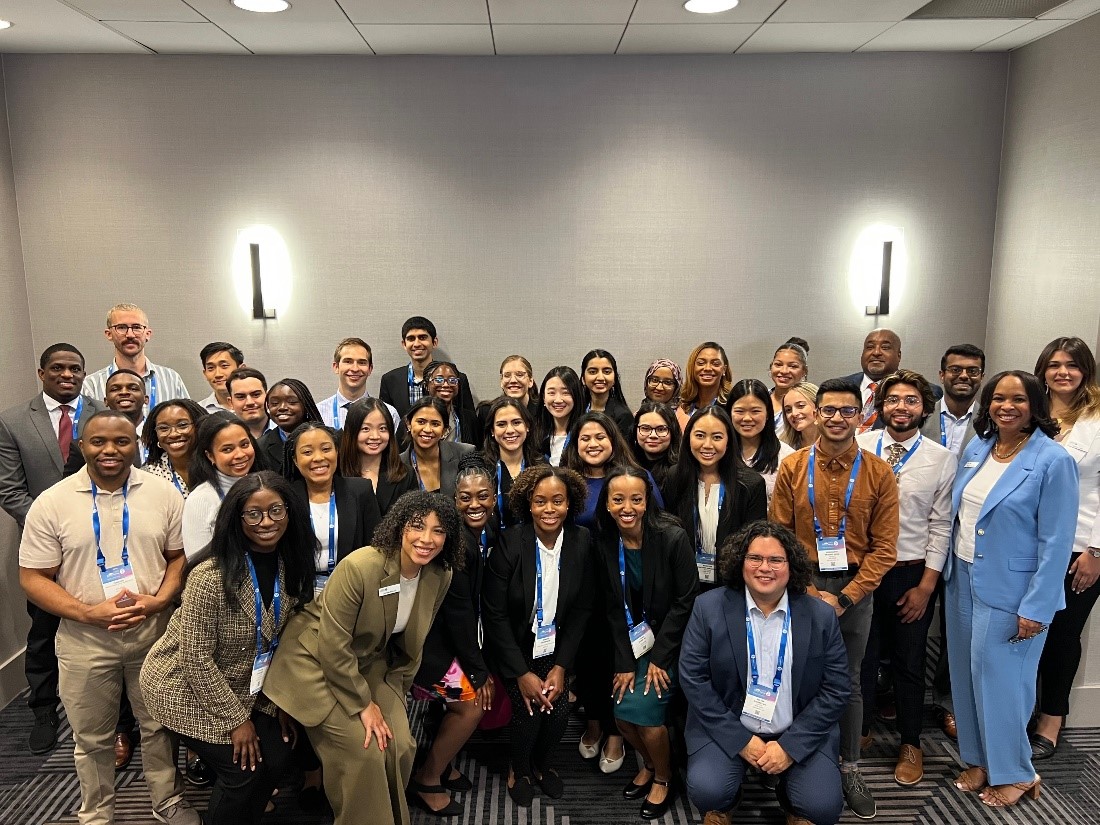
{"points": [[952, 421], [881, 357]]}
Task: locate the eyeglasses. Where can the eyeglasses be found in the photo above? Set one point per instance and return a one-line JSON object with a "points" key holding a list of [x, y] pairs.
{"points": [[440, 381], [122, 329], [276, 512], [180, 427], [908, 400], [661, 430], [654, 381], [518, 376], [845, 412], [972, 372], [753, 560]]}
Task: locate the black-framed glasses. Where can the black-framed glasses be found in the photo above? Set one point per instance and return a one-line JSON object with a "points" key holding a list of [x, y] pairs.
{"points": [[276, 512], [122, 329], [645, 430], [441, 380], [654, 381], [845, 412], [972, 372]]}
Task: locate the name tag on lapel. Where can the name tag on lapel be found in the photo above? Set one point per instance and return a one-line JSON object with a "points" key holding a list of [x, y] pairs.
{"points": [[389, 591], [970, 464]]}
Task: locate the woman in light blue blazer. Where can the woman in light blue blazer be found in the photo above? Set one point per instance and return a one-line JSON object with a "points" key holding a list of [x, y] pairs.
{"points": [[1015, 505]]}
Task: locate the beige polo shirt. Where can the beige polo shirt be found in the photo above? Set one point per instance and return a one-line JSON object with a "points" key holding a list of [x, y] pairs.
{"points": [[59, 533]]}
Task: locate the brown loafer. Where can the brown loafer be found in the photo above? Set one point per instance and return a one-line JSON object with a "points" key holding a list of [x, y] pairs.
{"points": [[910, 767], [797, 820], [948, 725], [124, 750], [716, 818]]}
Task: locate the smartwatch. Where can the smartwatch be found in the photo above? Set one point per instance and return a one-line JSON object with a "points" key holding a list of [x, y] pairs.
{"points": [[845, 601], [1094, 552]]}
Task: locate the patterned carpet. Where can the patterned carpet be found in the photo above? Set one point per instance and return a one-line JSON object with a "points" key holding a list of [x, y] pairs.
{"points": [[44, 790]]}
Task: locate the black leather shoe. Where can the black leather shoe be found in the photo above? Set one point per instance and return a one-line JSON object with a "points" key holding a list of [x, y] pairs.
{"points": [[452, 808], [43, 738], [551, 783], [199, 774], [522, 792], [655, 810], [1041, 747], [459, 784], [312, 800], [632, 791]]}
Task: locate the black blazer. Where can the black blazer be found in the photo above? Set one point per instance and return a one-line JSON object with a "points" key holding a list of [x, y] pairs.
{"points": [[618, 412], [750, 504], [670, 583], [272, 452], [394, 390], [450, 453], [454, 632], [390, 491], [357, 512], [508, 598], [470, 431]]}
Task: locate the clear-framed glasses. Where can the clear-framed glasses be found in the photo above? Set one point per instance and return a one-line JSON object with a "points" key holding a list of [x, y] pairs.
{"points": [[845, 412], [441, 380], [972, 372], [122, 329], [907, 400], [646, 430], [755, 560], [276, 512], [180, 427]]}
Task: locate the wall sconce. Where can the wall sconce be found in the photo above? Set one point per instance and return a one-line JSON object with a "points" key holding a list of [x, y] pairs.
{"points": [[879, 267], [261, 272]]}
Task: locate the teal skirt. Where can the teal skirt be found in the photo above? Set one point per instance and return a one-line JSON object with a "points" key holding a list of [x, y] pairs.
{"points": [[639, 709]]}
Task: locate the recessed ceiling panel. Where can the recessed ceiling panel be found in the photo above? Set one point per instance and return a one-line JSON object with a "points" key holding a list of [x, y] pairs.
{"points": [[553, 39], [673, 11], [984, 9], [146, 10], [181, 38], [940, 35], [683, 38], [844, 11], [417, 39], [45, 26], [506, 12], [812, 37], [1023, 35], [428, 12]]}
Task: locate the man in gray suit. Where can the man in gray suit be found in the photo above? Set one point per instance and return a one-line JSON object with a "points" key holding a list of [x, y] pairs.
{"points": [[952, 422], [36, 438]]}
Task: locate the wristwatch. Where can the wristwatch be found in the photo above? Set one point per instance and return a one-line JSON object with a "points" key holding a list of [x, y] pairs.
{"points": [[845, 601], [1094, 552]]}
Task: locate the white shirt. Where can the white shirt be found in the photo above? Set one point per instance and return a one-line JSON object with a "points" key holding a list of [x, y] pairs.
{"points": [[557, 447], [766, 634], [954, 429], [708, 515], [318, 513], [200, 511], [342, 403], [769, 478], [551, 574], [211, 404], [405, 600], [53, 406], [924, 496], [970, 507], [1083, 443], [169, 383]]}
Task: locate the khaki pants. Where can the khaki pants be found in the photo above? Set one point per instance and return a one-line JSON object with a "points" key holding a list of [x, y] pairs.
{"points": [[94, 665]]}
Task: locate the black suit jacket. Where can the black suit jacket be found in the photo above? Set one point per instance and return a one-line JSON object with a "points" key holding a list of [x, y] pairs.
{"points": [[390, 491], [508, 599], [394, 390], [470, 431], [450, 453], [670, 583], [750, 504], [271, 456], [357, 512]]}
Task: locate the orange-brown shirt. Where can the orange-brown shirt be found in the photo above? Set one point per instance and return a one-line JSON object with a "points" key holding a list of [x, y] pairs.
{"points": [[871, 529]]}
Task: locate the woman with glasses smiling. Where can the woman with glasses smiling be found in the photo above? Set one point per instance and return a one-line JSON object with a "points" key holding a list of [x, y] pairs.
{"points": [[442, 382], [656, 439], [169, 438], [662, 382]]}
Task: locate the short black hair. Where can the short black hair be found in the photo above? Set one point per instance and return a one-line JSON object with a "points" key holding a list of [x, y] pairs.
{"points": [[44, 358], [214, 347], [125, 371], [1036, 398], [838, 385], [731, 556], [418, 322], [966, 351], [105, 414], [241, 373]]}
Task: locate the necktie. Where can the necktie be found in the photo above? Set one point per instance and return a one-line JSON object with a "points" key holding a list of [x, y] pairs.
{"points": [[870, 414], [65, 432], [894, 453]]}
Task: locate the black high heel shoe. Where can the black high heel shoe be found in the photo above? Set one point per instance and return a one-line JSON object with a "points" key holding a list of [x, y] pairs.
{"points": [[632, 791], [452, 808], [655, 810]]}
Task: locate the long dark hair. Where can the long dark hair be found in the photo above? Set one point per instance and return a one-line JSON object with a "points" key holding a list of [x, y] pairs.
{"points": [[731, 558], [290, 465], [569, 377], [683, 480], [663, 464], [309, 405], [616, 391], [297, 548], [531, 454], [620, 450], [202, 469], [1086, 399], [766, 459], [391, 466], [1036, 399], [654, 516], [149, 430]]}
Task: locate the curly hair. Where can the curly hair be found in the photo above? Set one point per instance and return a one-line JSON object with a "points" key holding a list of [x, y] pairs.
{"points": [[523, 488], [731, 556], [913, 379], [411, 509]]}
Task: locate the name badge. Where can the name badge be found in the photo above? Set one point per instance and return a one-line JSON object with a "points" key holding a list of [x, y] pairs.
{"points": [[705, 563], [259, 672], [760, 703], [389, 591], [116, 579], [832, 555], [641, 639], [970, 464], [319, 582], [546, 638]]}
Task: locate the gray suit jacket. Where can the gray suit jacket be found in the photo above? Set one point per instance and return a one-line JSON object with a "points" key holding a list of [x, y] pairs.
{"points": [[931, 429], [30, 459]]}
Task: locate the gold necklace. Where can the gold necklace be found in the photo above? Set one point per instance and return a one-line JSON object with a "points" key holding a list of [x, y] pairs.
{"points": [[1011, 452]]}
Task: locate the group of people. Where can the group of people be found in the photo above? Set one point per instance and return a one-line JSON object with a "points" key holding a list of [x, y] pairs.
{"points": [[269, 578]]}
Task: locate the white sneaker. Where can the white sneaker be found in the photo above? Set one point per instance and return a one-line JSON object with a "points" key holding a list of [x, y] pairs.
{"points": [[180, 813]]}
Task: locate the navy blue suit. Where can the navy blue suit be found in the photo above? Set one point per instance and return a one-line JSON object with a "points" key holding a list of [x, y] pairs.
{"points": [[713, 674]]}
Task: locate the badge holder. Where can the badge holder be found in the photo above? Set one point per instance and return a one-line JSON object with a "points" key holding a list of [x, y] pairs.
{"points": [[641, 639], [117, 579], [319, 582], [545, 640], [259, 672], [760, 703], [705, 564], [832, 555]]}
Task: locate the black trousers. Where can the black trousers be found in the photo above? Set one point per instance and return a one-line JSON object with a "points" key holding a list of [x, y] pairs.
{"points": [[533, 736], [906, 647], [239, 797], [594, 666], [40, 663], [1062, 654]]}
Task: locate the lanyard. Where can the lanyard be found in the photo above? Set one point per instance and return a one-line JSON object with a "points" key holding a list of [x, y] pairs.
{"points": [[414, 385], [483, 545], [456, 427], [500, 491], [100, 560], [331, 528], [275, 603], [847, 494], [943, 427], [778, 680], [76, 414], [538, 581], [175, 476], [335, 412], [151, 397], [695, 513], [416, 470], [622, 578], [904, 458]]}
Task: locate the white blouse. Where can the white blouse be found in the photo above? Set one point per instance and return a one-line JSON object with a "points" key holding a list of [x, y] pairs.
{"points": [[973, 499]]}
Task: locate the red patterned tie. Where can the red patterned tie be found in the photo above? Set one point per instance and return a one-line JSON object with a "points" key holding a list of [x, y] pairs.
{"points": [[870, 414], [65, 432]]}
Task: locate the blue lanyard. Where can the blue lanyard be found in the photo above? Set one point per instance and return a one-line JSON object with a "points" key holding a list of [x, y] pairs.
{"points": [[538, 581], [622, 578], [778, 680], [483, 544], [100, 560], [275, 603], [908, 453], [151, 397], [335, 412], [500, 492], [76, 414], [416, 470], [695, 514], [413, 384], [175, 477], [456, 430], [331, 528], [847, 494]]}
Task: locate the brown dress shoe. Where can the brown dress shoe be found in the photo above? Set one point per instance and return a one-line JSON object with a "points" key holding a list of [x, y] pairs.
{"points": [[797, 820], [124, 750], [716, 818], [910, 767], [949, 726]]}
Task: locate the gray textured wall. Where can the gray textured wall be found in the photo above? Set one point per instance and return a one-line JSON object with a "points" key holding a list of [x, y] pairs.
{"points": [[539, 205]]}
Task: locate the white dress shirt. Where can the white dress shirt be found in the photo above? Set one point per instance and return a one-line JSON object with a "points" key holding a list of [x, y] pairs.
{"points": [[551, 574], [342, 404], [970, 507], [318, 516], [953, 429], [1083, 443], [767, 633], [211, 404], [53, 407], [557, 447], [924, 496], [708, 515]]}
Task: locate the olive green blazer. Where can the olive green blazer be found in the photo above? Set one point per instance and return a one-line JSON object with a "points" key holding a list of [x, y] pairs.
{"points": [[338, 651]]}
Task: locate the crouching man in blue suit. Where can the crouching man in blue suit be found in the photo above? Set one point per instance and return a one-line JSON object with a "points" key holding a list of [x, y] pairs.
{"points": [[765, 674]]}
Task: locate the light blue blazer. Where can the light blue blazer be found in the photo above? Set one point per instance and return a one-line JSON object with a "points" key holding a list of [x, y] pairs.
{"points": [[1025, 530]]}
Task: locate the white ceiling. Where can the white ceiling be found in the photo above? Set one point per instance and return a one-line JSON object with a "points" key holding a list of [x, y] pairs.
{"points": [[508, 27]]}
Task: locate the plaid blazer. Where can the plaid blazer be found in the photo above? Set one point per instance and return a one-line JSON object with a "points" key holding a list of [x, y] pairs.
{"points": [[196, 679]]}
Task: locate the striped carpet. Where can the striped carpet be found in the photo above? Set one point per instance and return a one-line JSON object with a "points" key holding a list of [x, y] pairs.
{"points": [[44, 790]]}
